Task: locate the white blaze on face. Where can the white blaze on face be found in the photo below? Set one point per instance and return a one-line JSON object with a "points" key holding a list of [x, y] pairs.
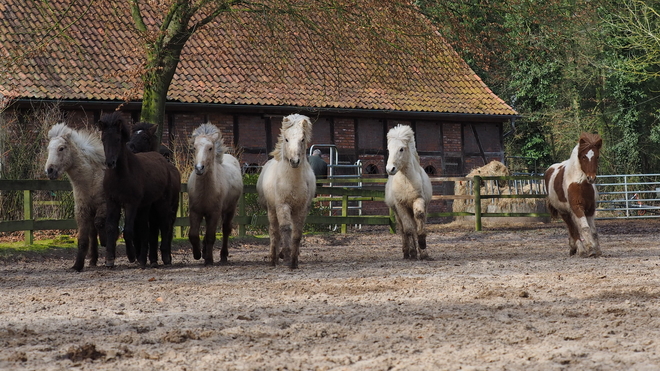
{"points": [[590, 154]]}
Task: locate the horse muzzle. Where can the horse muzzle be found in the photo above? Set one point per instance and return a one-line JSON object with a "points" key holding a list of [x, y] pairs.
{"points": [[391, 170], [111, 164], [200, 169], [52, 173], [294, 163], [591, 179]]}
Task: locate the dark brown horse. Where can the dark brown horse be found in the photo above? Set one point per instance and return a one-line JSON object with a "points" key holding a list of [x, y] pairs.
{"points": [[143, 139], [141, 184], [572, 194]]}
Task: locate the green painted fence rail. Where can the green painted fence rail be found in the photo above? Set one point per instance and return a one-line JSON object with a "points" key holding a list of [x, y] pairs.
{"points": [[345, 195]]}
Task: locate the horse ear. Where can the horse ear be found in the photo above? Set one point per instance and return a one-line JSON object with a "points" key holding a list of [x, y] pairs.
{"points": [[215, 136], [599, 143], [152, 129]]}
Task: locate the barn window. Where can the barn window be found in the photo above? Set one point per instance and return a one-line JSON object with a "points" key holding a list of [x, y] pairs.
{"points": [[430, 170], [371, 169]]}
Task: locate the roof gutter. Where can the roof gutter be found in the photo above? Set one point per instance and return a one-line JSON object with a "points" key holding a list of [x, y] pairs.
{"points": [[274, 110]]}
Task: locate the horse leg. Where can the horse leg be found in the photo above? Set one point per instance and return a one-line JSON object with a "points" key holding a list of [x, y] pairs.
{"points": [[209, 238], [226, 232], [83, 244], [141, 237], [166, 236], [408, 232], [154, 228], [193, 234], [129, 231], [112, 232], [594, 235], [93, 246], [275, 238], [574, 242], [419, 211], [285, 222], [99, 225], [296, 237]]}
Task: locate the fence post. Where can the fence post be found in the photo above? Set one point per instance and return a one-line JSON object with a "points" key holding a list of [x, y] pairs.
{"points": [[476, 183], [178, 230], [392, 221], [27, 215], [241, 213], [344, 211]]}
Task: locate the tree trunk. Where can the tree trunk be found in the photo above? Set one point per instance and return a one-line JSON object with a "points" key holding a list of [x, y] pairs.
{"points": [[160, 71]]}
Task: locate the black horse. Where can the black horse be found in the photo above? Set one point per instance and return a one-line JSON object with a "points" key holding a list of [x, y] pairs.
{"points": [[143, 184], [143, 139]]}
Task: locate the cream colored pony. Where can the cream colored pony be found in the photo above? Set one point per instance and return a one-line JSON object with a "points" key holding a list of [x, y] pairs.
{"points": [[214, 189], [80, 155], [286, 186], [408, 190]]}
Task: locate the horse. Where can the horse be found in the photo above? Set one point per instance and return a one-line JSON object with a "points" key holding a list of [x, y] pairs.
{"points": [[286, 186], [80, 155], [408, 190], [214, 189], [143, 139], [141, 183], [572, 195]]}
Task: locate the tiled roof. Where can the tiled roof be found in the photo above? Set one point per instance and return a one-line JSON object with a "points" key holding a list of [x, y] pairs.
{"points": [[239, 59]]}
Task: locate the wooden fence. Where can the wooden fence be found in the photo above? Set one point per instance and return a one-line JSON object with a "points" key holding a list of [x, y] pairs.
{"points": [[345, 195]]}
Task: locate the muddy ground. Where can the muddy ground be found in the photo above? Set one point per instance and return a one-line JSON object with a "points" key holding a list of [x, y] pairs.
{"points": [[502, 299]]}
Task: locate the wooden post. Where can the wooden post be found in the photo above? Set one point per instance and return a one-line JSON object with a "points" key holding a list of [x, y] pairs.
{"points": [[392, 221], [27, 215], [178, 230], [344, 211], [476, 183]]}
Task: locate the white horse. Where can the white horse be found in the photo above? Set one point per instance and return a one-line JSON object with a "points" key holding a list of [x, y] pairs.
{"points": [[80, 155], [408, 190], [286, 186], [214, 189]]}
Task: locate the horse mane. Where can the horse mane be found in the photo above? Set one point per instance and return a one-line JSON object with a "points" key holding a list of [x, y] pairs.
{"points": [[287, 123], [209, 129], [588, 140], [88, 143], [405, 134], [115, 119]]}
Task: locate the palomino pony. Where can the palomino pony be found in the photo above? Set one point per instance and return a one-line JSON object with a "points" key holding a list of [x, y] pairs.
{"points": [[286, 186], [143, 139], [408, 190], [572, 194], [141, 183], [214, 189], [79, 154]]}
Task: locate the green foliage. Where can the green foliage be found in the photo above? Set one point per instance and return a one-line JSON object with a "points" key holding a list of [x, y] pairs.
{"points": [[566, 66]]}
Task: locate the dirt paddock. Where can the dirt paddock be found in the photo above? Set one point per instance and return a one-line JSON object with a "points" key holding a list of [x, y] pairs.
{"points": [[502, 299]]}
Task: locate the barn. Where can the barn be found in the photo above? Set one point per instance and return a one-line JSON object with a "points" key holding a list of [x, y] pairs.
{"points": [[245, 71]]}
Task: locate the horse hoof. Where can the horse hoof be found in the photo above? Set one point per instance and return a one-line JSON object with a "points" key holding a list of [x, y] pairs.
{"points": [[197, 255], [77, 268], [423, 255], [154, 265], [208, 262]]}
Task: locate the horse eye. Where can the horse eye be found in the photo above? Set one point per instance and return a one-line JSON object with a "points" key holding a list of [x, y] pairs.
{"points": [[286, 140], [400, 149], [61, 149]]}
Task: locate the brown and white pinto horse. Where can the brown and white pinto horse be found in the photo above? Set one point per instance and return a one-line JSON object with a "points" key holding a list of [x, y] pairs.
{"points": [[572, 194]]}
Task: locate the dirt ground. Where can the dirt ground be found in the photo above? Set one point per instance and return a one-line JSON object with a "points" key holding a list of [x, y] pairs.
{"points": [[502, 299]]}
